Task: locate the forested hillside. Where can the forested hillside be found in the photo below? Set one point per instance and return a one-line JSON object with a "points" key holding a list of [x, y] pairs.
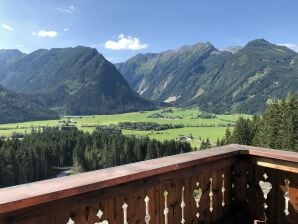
{"points": [[277, 128], [34, 157], [72, 81], [217, 81], [14, 108]]}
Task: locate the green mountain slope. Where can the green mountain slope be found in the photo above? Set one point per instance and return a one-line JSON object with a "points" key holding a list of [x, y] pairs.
{"points": [[219, 81], [257, 73], [165, 76], [14, 108], [73, 81]]}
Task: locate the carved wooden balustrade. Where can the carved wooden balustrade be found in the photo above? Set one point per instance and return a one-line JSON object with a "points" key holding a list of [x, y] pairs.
{"points": [[230, 184]]}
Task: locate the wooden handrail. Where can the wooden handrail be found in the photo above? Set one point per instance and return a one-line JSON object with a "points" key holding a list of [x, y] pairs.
{"points": [[33, 194], [26, 195], [270, 153]]}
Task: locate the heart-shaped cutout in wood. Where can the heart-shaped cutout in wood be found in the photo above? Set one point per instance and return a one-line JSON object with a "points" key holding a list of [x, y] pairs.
{"points": [[265, 187]]}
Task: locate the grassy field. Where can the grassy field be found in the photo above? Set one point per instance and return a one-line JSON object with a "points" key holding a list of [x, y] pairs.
{"points": [[198, 133], [200, 128]]}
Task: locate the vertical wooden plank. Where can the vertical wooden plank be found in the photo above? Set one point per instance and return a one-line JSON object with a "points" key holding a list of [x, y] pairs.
{"points": [[131, 208], [224, 211], [187, 195], [215, 190], [109, 210], [91, 211], [163, 187], [151, 195], [101, 206], [177, 189], [259, 198], [170, 188], [221, 183], [157, 208], [78, 215], [203, 179], [140, 206], [119, 210], [279, 196], [190, 203], [209, 214], [240, 190], [2, 219], [251, 187], [272, 198], [292, 217]]}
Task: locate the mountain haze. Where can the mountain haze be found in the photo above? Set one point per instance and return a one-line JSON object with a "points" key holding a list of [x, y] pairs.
{"points": [[237, 80], [8, 56], [74, 81]]}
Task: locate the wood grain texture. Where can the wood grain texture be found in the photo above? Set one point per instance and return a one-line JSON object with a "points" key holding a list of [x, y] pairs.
{"points": [[80, 196]]}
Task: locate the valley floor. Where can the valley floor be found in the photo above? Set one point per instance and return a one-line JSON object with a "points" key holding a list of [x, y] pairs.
{"points": [[195, 124]]}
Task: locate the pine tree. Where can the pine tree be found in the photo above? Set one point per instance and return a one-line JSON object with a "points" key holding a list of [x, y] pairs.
{"points": [[243, 131], [208, 144], [218, 142], [228, 137], [203, 145], [38, 153]]}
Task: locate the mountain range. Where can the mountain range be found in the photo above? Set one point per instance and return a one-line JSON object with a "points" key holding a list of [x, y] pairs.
{"points": [[76, 81], [80, 81], [221, 81]]}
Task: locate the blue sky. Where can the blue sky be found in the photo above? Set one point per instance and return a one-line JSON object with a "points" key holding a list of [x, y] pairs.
{"points": [[120, 29]]}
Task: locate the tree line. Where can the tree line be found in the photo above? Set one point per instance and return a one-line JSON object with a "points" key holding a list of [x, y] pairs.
{"points": [[147, 126], [277, 128], [34, 157]]}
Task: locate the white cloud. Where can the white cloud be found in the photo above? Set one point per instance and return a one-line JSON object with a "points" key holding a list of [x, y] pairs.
{"points": [[69, 10], [66, 29], [292, 46], [5, 26], [44, 33], [125, 43]]}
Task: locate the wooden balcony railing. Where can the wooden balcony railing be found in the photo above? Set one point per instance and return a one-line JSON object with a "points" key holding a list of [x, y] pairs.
{"points": [[230, 184]]}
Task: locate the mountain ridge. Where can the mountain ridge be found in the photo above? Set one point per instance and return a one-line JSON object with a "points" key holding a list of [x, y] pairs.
{"points": [[76, 81], [215, 80], [81, 81]]}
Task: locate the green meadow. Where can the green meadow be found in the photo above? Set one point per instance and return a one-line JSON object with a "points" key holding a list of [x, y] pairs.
{"points": [[194, 124]]}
